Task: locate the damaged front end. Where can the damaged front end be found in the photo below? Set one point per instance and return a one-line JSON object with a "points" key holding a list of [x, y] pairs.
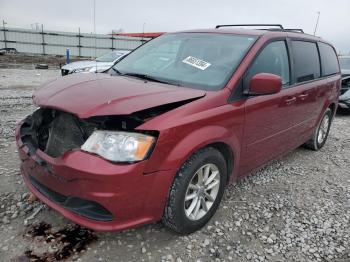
{"points": [[82, 152], [55, 132], [84, 187]]}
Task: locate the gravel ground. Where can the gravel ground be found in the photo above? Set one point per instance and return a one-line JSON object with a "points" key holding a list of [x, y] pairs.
{"points": [[29, 61], [295, 209]]}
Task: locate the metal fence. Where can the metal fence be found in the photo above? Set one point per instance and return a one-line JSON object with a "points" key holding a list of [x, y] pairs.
{"points": [[55, 42]]}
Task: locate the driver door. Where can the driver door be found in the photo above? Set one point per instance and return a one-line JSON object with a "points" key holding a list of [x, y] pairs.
{"points": [[269, 119]]}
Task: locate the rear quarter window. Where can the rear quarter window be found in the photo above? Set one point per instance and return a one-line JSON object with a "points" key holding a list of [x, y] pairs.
{"points": [[306, 61], [329, 60]]}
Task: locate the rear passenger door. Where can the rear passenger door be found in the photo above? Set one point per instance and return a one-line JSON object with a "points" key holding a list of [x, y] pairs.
{"points": [[270, 120], [308, 85]]}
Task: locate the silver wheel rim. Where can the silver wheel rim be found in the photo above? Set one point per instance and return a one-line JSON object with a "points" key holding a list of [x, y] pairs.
{"points": [[323, 129], [202, 191]]}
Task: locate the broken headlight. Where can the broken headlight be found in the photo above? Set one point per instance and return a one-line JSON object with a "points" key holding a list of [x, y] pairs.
{"points": [[119, 146]]}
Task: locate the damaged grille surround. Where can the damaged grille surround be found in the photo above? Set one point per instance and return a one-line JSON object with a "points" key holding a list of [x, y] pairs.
{"points": [[56, 132]]}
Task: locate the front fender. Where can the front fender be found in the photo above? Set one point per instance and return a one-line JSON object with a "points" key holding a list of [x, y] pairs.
{"points": [[197, 139]]}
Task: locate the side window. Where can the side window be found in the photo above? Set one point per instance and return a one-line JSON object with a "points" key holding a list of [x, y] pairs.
{"points": [[273, 59], [329, 60], [306, 61]]}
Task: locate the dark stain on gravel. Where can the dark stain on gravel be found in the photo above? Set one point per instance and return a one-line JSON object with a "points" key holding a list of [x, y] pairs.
{"points": [[68, 241], [42, 229]]}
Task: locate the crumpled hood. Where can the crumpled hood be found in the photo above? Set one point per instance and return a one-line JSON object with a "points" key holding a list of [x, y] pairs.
{"points": [[91, 94]]}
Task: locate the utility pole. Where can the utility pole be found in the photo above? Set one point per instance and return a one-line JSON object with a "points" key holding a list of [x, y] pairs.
{"points": [[3, 25], [79, 43], [112, 39], [95, 28], [318, 18], [43, 38]]}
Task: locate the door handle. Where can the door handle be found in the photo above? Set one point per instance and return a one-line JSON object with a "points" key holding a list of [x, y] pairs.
{"points": [[303, 96], [290, 100]]}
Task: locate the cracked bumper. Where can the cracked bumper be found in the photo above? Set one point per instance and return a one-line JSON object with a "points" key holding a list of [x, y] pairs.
{"points": [[123, 194]]}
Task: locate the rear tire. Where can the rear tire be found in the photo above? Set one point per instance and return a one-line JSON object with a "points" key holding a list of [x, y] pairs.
{"points": [[320, 135], [201, 181]]}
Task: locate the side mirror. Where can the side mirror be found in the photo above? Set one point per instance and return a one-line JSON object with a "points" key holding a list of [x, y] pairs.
{"points": [[265, 84]]}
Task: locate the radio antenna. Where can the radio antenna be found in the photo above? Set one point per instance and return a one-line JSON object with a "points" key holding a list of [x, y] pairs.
{"points": [[318, 18]]}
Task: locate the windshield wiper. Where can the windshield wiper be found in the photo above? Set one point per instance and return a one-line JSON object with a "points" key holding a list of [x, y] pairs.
{"points": [[117, 71], [148, 77]]}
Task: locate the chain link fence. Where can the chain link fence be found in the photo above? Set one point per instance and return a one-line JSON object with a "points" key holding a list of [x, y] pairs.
{"points": [[45, 42]]}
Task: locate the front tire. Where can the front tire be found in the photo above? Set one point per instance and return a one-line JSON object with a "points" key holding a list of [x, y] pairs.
{"points": [[320, 135], [196, 192]]}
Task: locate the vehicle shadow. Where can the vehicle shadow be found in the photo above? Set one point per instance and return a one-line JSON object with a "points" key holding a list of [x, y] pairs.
{"points": [[342, 112]]}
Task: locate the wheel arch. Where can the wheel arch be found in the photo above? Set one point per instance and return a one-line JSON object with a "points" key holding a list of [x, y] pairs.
{"points": [[219, 137], [227, 153], [333, 107]]}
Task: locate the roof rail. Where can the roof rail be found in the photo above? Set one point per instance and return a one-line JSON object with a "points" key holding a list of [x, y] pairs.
{"points": [[295, 30], [267, 25]]}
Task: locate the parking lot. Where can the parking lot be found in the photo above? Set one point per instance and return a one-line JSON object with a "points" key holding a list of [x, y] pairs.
{"points": [[297, 208]]}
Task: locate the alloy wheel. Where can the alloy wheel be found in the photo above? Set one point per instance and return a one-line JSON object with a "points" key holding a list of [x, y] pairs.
{"points": [[202, 191]]}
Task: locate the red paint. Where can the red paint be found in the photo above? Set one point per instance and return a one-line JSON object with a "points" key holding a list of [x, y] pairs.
{"points": [[256, 129], [265, 84], [92, 94]]}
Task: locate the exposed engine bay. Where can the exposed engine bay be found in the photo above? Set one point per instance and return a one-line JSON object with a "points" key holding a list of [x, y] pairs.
{"points": [[56, 132]]}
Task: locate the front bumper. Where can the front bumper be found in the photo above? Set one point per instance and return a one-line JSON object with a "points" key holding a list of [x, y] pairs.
{"points": [[344, 104], [344, 100], [93, 192]]}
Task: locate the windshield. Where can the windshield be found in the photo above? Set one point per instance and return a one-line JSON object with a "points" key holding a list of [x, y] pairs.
{"points": [[344, 63], [109, 57], [198, 60]]}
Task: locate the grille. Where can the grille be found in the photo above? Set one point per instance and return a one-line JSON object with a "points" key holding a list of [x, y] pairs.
{"points": [[54, 132], [63, 134]]}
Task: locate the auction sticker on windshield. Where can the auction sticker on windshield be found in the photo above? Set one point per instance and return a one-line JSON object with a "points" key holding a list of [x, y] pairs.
{"points": [[196, 62]]}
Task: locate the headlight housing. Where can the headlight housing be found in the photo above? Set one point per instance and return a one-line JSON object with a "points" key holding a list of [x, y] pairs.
{"points": [[118, 146], [85, 69]]}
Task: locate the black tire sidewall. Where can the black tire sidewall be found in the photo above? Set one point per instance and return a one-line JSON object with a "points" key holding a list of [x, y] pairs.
{"points": [[184, 177], [329, 114]]}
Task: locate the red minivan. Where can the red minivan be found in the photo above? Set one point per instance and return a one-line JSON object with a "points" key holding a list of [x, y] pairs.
{"points": [[160, 135]]}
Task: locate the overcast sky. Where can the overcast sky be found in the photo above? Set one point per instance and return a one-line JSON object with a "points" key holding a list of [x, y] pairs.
{"points": [[164, 15]]}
